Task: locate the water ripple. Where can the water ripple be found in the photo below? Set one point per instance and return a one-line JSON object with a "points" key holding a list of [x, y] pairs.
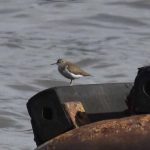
{"points": [[136, 4], [118, 19]]}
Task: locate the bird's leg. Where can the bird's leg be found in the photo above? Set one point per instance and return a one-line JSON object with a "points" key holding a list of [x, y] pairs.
{"points": [[70, 82]]}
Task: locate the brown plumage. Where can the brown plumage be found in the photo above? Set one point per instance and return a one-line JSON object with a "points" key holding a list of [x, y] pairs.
{"points": [[75, 69]]}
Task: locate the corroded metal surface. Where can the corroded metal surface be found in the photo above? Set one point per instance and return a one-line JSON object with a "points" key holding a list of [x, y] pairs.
{"points": [[76, 112], [124, 134]]}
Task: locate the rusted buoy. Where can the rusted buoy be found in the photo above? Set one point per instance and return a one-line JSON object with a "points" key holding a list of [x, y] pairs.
{"points": [[124, 134]]}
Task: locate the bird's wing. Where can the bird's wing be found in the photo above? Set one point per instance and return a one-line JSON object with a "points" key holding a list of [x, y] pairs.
{"points": [[76, 70]]}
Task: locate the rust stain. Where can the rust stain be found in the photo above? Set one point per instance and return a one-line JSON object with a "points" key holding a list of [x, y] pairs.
{"points": [[76, 113]]}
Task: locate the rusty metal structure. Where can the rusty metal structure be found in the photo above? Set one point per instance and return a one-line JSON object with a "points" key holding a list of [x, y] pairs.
{"points": [[123, 134], [97, 117]]}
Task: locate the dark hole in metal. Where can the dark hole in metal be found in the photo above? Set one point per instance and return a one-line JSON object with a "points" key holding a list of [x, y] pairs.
{"points": [[146, 88], [47, 113]]}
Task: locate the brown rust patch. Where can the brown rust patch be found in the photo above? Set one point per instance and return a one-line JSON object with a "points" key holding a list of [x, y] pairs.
{"points": [[76, 112]]}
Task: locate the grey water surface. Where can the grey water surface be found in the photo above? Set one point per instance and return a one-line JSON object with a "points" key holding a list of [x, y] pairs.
{"points": [[110, 39]]}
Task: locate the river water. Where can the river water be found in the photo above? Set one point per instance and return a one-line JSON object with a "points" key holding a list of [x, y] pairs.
{"points": [[109, 39]]}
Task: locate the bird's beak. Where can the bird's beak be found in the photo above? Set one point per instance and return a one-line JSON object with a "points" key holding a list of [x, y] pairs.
{"points": [[54, 63]]}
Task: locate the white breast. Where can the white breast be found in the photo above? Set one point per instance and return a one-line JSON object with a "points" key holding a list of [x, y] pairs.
{"points": [[74, 75], [66, 73]]}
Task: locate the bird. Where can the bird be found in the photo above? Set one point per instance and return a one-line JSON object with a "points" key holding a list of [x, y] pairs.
{"points": [[70, 70]]}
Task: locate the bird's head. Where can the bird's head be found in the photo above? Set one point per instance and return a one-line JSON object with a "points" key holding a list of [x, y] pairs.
{"points": [[60, 62]]}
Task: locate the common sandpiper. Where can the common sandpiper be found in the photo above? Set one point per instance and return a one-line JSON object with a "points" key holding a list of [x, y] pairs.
{"points": [[70, 70]]}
